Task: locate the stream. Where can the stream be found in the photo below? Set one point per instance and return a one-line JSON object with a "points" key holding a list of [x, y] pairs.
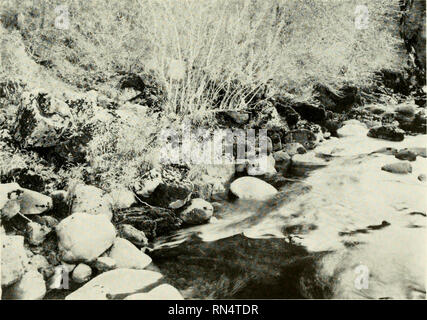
{"points": [[347, 230]]}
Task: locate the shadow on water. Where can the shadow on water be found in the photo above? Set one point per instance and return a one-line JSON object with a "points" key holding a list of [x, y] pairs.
{"points": [[242, 268]]}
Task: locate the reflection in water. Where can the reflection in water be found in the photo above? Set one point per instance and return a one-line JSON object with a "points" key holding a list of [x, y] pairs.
{"points": [[309, 241]]}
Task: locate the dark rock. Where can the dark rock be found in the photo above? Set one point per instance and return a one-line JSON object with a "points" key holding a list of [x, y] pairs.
{"points": [[303, 136], [265, 116], [332, 126], [283, 161], [153, 221], [288, 113], [198, 212], [376, 109], [294, 148], [151, 91], [237, 117], [398, 167], [171, 194], [276, 141], [310, 112], [387, 132], [61, 205], [406, 154], [422, 177], [337, 100]]}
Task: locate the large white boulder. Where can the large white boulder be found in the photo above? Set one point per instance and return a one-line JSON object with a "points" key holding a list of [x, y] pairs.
{"points": [[127, 255], [91, 200], [115, 283], [251, 188], [352, 128], [13, 259], [162, 292], [30, 287], [84, 237]]}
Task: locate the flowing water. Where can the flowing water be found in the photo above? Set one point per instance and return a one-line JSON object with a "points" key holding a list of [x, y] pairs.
{"points": [[347, 230]]}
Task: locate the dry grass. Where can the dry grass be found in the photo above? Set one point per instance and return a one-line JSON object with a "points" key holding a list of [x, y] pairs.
{"points": [[289, 44]]}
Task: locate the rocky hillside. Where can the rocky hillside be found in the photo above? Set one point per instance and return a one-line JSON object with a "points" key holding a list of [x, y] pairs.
{"points": [[84, 188]]}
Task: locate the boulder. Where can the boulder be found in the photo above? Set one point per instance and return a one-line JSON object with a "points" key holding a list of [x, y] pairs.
{"points": [[267, 117], [39, 263], [212, 181], [352, 129], [419, 151], [376, 109], [10, 197], [283, 161], [154, 221], [303, 136], [30, 287], [13, 259], [84, 237], [310, 112], [294, 148], [162, 292], [288, 113], [122, 198], [237, 117], [36, 233], [276, 141], [127, 255], [308, 160], [387, 132], [172, 194], [398, 167], [250, 188], [198, 212], [422, 177], [43, 121], [90, 200], [261, 165], [103, 264], [406, 154], [148, 183], [33, 202], [82, 273], [132, 234], [115, 283], [337, 100]]}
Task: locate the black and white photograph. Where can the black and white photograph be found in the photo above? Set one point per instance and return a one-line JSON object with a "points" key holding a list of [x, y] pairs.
{"points": [[228, 152]]}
